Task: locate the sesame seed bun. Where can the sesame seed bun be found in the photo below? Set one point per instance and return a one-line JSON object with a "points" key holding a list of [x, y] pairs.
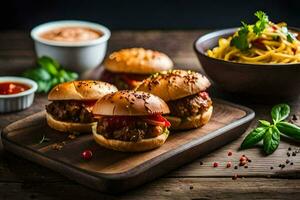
{"points": [[137, 61], [174, 84], [130, 103], [81, 90], [118, 145]]}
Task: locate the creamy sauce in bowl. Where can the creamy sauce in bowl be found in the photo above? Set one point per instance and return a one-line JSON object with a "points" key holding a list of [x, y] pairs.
{"points": [[71, 34]]}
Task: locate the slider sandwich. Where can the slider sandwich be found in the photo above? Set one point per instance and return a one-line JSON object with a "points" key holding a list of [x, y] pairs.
{"points": [[185, 93], [131, 121], [72, 103], [128, 67]]}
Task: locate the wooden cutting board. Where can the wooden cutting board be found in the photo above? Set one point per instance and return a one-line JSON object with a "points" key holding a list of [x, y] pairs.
{"points": [[112, 171]]}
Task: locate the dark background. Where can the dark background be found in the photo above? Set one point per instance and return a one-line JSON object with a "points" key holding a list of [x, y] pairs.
{"points": [[149, 14]]}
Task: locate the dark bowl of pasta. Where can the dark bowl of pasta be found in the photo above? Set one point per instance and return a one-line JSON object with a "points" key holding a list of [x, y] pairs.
{"points": [[258, 65]]}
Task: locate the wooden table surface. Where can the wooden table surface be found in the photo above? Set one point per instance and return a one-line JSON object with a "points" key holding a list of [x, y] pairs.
{"points": [[22, 179]]}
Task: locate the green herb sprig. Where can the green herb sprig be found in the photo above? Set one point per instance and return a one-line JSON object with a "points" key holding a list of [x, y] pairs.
{"points": [[240, 41], [262, 22], [270, 132], [49, 73], [44, 139]]}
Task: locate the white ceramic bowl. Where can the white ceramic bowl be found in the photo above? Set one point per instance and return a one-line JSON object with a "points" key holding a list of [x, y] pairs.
{"points": [[19, 101], [77, 56]]}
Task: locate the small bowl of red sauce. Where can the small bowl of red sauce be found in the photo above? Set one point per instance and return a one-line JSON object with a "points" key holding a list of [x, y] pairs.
{"points": [[16, 93]]}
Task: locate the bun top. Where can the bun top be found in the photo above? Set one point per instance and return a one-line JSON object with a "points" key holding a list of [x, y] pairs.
{"points": [[81, 90], [174, 84], [137, 61], [130, 103]]}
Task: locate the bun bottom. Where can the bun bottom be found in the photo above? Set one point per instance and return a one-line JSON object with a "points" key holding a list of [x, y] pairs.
{"points": [[124, 146], [69, 127], [190, 122]]}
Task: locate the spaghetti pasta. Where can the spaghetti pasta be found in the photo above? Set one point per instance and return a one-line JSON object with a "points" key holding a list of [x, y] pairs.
{"points": [[274, 44]]}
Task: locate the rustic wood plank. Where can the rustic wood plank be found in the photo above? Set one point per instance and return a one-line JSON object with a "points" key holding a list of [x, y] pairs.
{"points": [[259, 167], [164, 188]]}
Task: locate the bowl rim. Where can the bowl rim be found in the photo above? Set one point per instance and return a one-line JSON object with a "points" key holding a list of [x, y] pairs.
{"points": [[36, 31], [33, 86], [208, 36]]}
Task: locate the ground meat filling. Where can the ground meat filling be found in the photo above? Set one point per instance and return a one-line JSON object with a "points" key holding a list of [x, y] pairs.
{"points": [[122, 81], [127, 130], [190, 105], [70, 111]]}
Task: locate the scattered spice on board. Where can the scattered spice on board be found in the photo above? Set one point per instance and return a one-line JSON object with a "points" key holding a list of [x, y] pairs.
{"points": [[228, 164], [87, 154], [290, 152], [58, 146], [235, 176], [244, 160], [72, 136], [44, 139]]}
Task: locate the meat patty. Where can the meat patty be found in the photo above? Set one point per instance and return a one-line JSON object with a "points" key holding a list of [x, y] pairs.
{"points": [[122, 81], [190, 106], [70, 111], [132, 130]]}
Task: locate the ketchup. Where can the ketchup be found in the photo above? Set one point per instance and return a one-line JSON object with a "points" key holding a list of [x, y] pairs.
{"points": [[12, 88]]}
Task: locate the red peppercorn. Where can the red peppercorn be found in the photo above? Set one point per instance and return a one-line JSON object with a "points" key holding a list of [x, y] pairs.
{"points": [[243, 159], [242, 163], [228, 164], [216, 164], [229, 153], [87, 154]]}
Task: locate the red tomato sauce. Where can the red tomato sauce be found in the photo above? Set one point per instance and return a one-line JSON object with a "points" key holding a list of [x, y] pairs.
{"points": [[12, 88]]}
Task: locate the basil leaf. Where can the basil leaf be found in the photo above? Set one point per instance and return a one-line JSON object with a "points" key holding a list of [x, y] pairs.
{"points": [[63, 74], [264, 123], [43, 86], [37, 74], [241, 40], [48, 64], [54, 81], [73, 75], [271, 140], [289, 129], [45, 59], [280, 112], [254, 137]]}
